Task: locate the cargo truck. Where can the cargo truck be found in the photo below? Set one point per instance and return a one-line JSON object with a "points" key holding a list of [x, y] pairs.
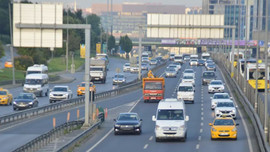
{"points": [[98, 70], [153, 88]]}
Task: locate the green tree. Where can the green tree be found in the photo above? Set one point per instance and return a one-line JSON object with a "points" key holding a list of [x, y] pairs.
{"points": [[111, 42], [126, 43], [94, 20], [2, 51]]}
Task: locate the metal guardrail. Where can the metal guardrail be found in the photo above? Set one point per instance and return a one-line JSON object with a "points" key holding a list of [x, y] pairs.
{"points": [[248, 98], [48, 137], [9, 118]]}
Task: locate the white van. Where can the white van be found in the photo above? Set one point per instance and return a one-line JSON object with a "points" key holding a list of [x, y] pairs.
{"points": [[171, 120], [179, 58], [186, 91], [35, 69], [194, 56], [37, 84]]}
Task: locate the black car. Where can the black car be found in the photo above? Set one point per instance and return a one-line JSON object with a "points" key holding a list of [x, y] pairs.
{"points": [[208, 76], [211, 67], [24, 101], [201, 62], [128, 123]]}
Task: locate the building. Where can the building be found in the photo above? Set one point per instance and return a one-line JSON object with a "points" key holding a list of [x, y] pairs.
{"points": [[193, 10]]}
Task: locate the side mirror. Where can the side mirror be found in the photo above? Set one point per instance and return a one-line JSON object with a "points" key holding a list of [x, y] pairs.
{"points": [[140, 119], [210, 124], [187, 118], [237, 124], [211, 98], [114, 119], [154, 118], [224, 84], [50, 90], [236, 106], [231, 98], [15, 98]]}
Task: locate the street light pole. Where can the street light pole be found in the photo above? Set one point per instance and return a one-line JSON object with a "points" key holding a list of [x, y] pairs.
{"points": [[233, 44], [140, 51], [67, 44], [266, 74], [245, 53], [100, 37], [11, 44]]}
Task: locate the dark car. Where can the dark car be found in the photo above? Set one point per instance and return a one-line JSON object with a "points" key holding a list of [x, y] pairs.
{"points": [[24, 101], [128, 123], [208, 76], [201, 62], [211, 67], [159, 58]]}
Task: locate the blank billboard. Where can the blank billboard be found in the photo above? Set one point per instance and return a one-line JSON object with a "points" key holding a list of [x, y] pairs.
{"points": [[37, 14]]}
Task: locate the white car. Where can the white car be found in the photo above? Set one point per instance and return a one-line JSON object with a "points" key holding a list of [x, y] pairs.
{"points": [[173, 66], [134, 69], [186, 92], [225, 108], [189, 72], [219, 97], [208, 61], [216, 86], [59, 93], [178, 65], [193, 62], [126, 67], [187, 78]]}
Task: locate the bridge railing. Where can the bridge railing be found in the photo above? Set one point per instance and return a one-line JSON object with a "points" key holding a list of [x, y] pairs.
{"points": [[248, 101]]}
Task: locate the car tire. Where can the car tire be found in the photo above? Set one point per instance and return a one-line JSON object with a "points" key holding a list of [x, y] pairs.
{"points": [[235, 138], [138, 133], [15, 109], [46, 94], [212, 138], [41, 94], [115, 133], [157, 139]]}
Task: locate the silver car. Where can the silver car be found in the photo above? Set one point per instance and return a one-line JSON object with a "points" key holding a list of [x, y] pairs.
{"points": [[170, 72], [119, 79], [126, 67]]}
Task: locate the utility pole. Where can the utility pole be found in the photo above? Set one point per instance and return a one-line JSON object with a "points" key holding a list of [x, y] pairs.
{"points": [[245, 53], [111, 17], [140, 51], [67, 44], [233, 44], [107, 25], [11, 44], [266, 74], [100, 37]]}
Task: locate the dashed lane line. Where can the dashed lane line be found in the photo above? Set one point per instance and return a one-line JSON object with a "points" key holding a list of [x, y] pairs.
{"points": [[145, 146], [151, 138]]}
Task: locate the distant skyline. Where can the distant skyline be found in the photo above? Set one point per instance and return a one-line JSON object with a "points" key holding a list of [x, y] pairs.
{"points": [[87, 3]]}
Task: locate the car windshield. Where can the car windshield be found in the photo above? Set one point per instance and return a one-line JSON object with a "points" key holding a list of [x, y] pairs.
{"points": [[188, 71], [63, 89], [3, 93], [188, 77], [208, 74], [178, 57], [210, 64], [225, 104], [125, 117], [223, 122], [33, 81], [201, 60], [170, 69], [33, 72], [153, 86], [193, 60], [127, 64], [172, 66], [221, 96], [176, 63], [216, 83], [25, 96], [119, 76], [185, 88], [153, 60], [96, 69], [164, 114]]}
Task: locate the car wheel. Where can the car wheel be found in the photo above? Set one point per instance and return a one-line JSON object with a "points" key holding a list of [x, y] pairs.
{"points": [[14, 109], [46, 94], [212, 138], [40, 94], [157, 139], [138, 133], [51, 101], [115, 133], [235, 138]]}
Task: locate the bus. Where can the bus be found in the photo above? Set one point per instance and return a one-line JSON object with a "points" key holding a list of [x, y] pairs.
{"points": [[205, 56], [241, 64], [251, 76], [241, 56]]}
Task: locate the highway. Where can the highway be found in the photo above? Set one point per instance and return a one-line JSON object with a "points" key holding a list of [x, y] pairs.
{"points": [[198, 138], [114, 63], [23, 132]]}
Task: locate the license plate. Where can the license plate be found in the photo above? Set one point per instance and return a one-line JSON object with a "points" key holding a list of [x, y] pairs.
{"points": [[224, 134], [153, 97], [96, 78]]}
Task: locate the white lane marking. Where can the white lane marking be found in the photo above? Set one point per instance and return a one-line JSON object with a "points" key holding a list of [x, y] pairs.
{"points": [[202, 118], [241, 115], [151, 138], [110, 131], [145, 146], [197, 146], [201, 123], [200, 138], [201, 130], [202, 113], [202, 109]]}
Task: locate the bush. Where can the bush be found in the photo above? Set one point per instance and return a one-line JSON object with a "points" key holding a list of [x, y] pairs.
{"points": [[22, 62]]}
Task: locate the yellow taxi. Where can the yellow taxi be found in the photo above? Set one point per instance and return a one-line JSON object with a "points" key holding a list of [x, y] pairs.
{"points": [[8, 64], [81, 88], [5, 97], [223, 127]]}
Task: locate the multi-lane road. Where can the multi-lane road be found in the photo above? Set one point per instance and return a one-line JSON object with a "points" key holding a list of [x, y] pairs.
{"points": [[198, 138]]}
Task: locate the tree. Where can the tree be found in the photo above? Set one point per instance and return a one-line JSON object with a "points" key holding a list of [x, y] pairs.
{"points": [[94, 20], [111, 42], [2, 51], [126, 44]]}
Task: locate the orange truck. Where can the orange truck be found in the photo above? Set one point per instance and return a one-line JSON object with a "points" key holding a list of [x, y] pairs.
{"points": [[153, 88]]}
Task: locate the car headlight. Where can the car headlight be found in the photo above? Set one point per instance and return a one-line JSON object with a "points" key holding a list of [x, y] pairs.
{"points": [[181, 127], [233, 111], [138, 125], [234, 129], [14, 102], [116, 125], [213, 129], [65, 95], [31, 103], [158, 127], [39, 88]]}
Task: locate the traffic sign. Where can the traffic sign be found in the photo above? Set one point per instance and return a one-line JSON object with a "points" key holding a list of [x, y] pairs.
{"points": [[82, 50], [98, 48]]}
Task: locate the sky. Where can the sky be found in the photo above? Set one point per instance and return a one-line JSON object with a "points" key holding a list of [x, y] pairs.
{"points": [[87, 3]]}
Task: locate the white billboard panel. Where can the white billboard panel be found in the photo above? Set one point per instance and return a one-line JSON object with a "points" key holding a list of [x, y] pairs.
{"points": [[37, 14]]}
